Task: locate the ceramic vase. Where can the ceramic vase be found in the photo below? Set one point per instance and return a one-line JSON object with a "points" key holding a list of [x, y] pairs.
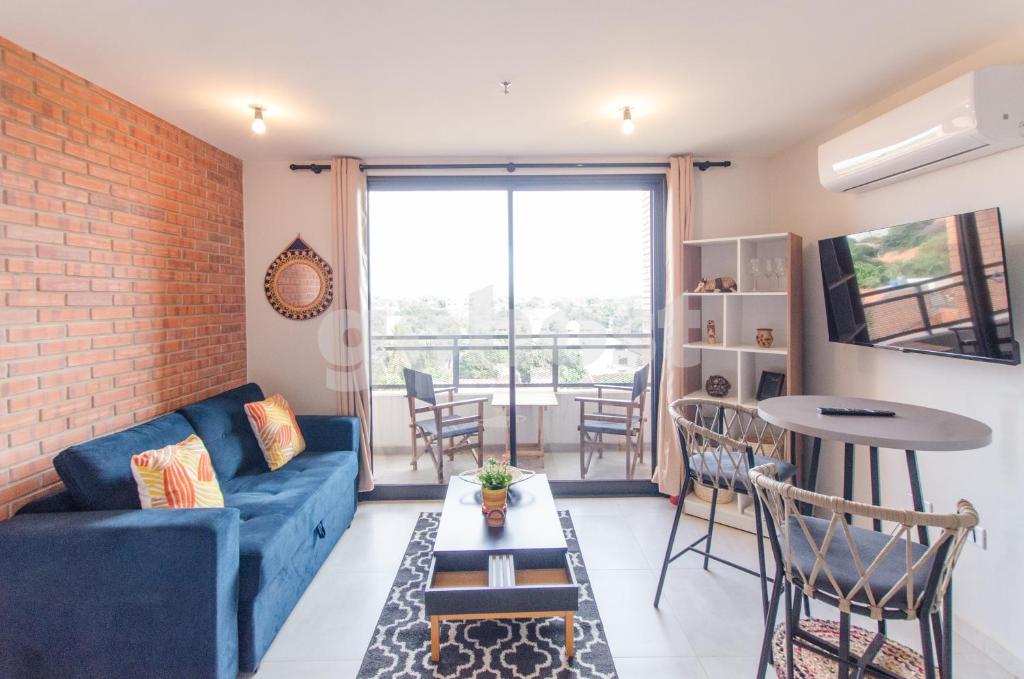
{"points": [[765, 338], [494, 506]]}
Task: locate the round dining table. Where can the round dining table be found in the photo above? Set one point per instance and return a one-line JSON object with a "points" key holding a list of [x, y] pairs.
{"points": [[911, 428]]}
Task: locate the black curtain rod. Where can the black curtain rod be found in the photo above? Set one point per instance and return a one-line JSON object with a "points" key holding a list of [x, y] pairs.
{"points": [[701, 165]]}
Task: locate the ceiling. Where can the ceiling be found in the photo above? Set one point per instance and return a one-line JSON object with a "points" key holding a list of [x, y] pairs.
{"points": [[418, 78]]}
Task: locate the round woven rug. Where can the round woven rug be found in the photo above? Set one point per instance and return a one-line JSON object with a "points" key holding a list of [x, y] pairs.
{"points": [[482, 649], [893, 656]]}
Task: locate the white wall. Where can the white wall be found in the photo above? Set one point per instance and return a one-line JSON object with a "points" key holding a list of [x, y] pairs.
{"points": [[988, 594], [734, 201], [284, 355]]}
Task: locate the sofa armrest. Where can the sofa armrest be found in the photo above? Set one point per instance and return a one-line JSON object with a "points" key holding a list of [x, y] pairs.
{"points": [[135, 593], [326, 433]]}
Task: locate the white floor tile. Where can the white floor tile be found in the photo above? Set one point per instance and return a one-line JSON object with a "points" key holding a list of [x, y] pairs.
{"points": [[334, 619], [634, 627], [660, 668], [708, 626], [730, 668], [309, 669]]}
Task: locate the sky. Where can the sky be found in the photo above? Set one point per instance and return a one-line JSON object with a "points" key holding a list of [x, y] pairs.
{"points": [[454, 243]]}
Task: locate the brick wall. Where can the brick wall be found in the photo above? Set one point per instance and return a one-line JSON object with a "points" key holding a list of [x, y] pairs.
{"points": [[121, 268]]}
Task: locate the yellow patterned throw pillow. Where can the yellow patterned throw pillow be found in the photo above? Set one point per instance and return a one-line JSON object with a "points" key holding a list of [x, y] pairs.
{"points": [[177, 477], [273, 422]]}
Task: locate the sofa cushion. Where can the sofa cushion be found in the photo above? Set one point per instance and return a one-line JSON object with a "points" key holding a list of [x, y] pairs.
{"points": [[224, 428], [98, 473], [280, 510], [273, 422], [177, 477]]}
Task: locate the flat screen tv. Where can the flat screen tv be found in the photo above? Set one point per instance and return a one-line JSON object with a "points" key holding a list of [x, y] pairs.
{"points": [[936, 286]]}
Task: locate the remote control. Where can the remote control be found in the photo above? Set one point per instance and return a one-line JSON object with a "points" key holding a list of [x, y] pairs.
{"points": [[858, 412]]}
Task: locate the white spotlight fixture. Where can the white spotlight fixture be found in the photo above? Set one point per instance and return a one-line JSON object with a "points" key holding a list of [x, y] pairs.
{"points": [[258, 126], [627, 121]]}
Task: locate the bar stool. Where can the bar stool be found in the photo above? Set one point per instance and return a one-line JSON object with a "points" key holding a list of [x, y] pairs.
{"points": [[885, 576], [720, 443]]}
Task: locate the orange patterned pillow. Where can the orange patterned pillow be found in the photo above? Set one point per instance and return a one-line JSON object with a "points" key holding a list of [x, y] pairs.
{"points": [[273, 422], [177, 477]]}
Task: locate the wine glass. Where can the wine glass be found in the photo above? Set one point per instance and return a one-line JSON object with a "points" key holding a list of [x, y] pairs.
{"points": [[755, 271], [780, 271], [769, 269]]}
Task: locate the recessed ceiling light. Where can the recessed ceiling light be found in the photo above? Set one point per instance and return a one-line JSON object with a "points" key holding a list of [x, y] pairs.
{"points": [[258, 125]]}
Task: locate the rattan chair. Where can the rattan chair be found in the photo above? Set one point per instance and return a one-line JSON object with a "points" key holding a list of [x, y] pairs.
{"points": [[461, 432], [720, 442], [614, 417], [886, 576]]}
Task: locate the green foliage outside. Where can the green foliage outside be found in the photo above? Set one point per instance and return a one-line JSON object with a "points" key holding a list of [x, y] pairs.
{"points": [[436, 316], [923, 250]]}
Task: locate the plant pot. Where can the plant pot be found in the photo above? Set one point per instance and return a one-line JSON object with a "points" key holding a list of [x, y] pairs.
{"points": [[494, 506]]}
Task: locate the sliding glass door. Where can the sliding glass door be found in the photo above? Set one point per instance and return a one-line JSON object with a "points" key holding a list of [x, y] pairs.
{"points": [[532, 304]]}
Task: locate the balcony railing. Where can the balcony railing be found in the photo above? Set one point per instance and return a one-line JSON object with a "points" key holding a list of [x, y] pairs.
{"points": [[947, 292], [555, 360]]}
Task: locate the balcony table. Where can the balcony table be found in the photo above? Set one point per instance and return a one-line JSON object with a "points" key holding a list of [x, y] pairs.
{"points": [[531, 398]]}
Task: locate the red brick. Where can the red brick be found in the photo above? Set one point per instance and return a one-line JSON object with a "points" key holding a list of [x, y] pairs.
{"points": [[89, 357], [36, 366], [14, 215], [121, 292], [11, 352], [32, 136], [25, 64], [35, 332], [35, 299], [64, 346], [60, 160], [33, 169], [32, 233], [21, 385]]}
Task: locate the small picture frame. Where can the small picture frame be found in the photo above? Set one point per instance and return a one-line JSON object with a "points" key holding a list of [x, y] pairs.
{"points": [[770, 385]]}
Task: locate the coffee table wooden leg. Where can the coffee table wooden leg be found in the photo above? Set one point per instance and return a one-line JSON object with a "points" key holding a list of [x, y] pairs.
{"points": [[435, 638], [570, 634]]}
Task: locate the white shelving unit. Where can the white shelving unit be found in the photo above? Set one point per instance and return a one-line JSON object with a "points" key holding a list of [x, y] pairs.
{"points": [[762, 303]]}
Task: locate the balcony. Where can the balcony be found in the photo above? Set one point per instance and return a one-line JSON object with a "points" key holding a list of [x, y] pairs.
{"points": [[566, 365]]}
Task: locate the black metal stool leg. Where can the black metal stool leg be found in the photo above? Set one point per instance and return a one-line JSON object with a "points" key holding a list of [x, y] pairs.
{"points": [[811, 482], [760, 557], [791, 624], [769, 628], [844, 645], [848, 475], [711, 525], [671, 540], [915, 493], [926, 647], [947, 634]]}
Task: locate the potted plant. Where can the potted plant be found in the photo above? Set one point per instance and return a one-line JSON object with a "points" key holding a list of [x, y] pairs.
{"points": [[495, 479]]}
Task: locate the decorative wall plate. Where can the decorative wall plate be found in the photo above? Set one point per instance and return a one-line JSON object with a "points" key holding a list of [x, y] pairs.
{"points": [[299, 283]]}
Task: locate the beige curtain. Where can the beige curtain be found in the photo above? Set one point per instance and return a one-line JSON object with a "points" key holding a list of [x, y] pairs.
{"points": [[352, 329], [678, 227]]}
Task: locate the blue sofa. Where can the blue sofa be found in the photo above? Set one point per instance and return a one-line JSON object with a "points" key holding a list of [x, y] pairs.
{"points": [[91, 585]]}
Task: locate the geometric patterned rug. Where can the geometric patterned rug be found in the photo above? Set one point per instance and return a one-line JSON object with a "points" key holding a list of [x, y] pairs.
{"points": [[482, 649]]}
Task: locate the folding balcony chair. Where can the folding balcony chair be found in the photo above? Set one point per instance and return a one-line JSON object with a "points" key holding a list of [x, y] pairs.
{"points": [[614, 417], [461, 432], [720, 443], [885, 576]]}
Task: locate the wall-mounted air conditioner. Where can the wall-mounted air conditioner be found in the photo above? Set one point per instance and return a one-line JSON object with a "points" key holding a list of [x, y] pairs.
{"points": [[979, 113]]}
